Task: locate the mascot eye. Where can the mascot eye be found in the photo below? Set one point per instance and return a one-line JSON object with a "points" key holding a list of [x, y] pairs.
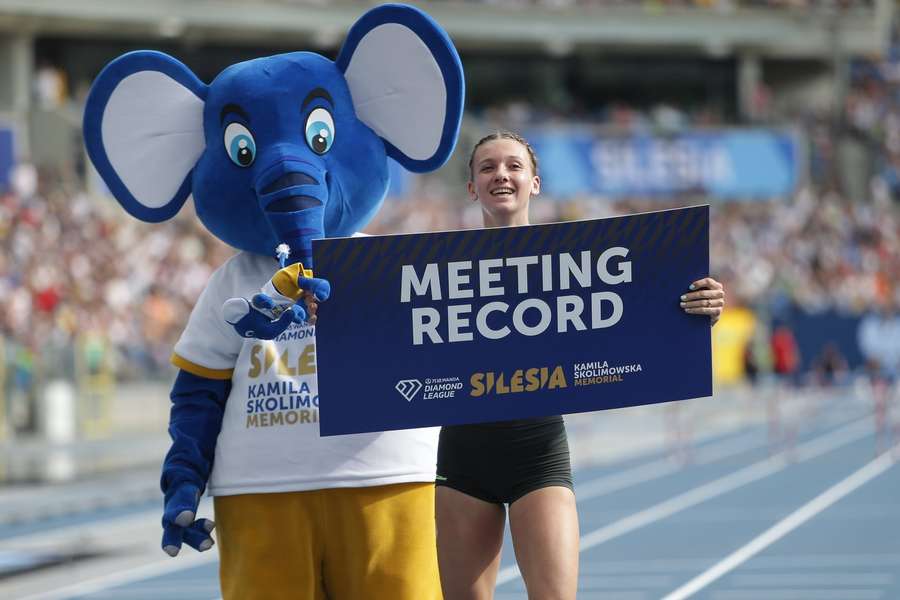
{"points": [[320, 131], [240, 145]]}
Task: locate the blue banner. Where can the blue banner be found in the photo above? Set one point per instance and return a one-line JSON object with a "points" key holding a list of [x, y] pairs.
{"points": [[496, 324], [7, 155], [732, 164]]}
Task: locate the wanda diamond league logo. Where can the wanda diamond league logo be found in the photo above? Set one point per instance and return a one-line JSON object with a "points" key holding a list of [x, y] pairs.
{"points": [[408, 388]]}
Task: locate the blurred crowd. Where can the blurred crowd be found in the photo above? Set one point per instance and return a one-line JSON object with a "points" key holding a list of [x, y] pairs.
{"points": [[660, 117], [86, 289], [818, 253], [873, 112], [724, 5], [75, 272], [655, 5], [95, 289]]}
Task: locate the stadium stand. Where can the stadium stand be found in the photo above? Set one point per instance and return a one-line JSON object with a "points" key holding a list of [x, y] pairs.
{"points": [[70, 283]]}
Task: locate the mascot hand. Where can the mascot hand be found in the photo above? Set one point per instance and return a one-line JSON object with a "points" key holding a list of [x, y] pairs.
{"points": [[179, 522], [278, 305], [257, 319]]}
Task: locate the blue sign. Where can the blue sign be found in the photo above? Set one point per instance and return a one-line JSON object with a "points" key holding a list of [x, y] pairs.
{"points": [[496, 324], [7, 155], [737, 164]]}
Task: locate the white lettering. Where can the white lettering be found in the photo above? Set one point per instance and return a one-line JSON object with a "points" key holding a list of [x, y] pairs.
{"points": [[481, 321], [568, 267], [597, 321], [521, 263], [455, 322], [421, 326], [486, 277], [624, 275], [568, 310], [430, 279], [456, 278], [519, 321]]}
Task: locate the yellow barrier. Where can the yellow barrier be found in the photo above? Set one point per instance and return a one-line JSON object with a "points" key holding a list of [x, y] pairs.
{"points": [[730, 338]]}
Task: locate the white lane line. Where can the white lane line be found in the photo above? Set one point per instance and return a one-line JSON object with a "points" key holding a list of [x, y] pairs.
{"points": [[754, 472], [154, 569], [94, 532], [78, 531], [771, 562], [814, 448], [656, 469], [786, 525], [800, 594], [832, 578]]}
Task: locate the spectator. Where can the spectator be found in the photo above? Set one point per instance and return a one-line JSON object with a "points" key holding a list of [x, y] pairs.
{"points": [[785, 354], [830, 367]]}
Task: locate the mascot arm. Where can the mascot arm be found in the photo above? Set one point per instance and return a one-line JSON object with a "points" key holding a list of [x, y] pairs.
{"points": [[198, 405]]}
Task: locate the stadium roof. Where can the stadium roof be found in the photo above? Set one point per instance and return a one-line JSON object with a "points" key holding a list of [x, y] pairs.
{"points": [[767, 32]]}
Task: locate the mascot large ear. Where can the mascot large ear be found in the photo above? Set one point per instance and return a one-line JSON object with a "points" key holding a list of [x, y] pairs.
{"points": [[407, 83], [143, 128]]}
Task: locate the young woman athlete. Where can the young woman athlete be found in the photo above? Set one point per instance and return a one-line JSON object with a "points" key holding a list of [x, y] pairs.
{"points": [[523, 463]]}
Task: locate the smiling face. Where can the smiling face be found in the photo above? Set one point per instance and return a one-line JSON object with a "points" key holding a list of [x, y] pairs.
{"points": [[503, 179]]}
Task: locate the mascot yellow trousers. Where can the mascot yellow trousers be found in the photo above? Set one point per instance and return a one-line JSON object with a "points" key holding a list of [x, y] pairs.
{"points": [[367, 543]]}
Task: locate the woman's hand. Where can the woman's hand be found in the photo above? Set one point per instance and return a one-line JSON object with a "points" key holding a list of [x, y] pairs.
{"points": [[315, 290], [707, 297]]}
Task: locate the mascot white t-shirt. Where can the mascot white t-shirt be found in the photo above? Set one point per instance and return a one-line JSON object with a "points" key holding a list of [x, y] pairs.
{"points": [[269, 441]]}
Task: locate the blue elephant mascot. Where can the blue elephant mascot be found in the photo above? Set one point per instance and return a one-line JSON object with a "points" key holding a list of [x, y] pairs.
{"points": [[277, 152]]}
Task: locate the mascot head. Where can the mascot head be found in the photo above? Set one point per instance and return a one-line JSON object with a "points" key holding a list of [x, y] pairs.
{"points": [[283, 149]]}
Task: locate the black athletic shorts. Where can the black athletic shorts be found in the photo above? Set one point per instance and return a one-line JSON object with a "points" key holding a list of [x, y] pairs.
{"points": [[501, 462]]}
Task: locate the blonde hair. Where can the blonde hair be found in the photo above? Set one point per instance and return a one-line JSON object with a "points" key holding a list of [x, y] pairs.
{"points": [[504, 135]]}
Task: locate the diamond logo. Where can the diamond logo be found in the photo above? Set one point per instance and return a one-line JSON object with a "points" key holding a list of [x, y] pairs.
{"points": [[408, 388]]}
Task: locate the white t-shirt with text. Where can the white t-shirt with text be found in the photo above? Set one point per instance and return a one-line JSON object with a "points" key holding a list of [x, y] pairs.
{"points": [[269, 441]]}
